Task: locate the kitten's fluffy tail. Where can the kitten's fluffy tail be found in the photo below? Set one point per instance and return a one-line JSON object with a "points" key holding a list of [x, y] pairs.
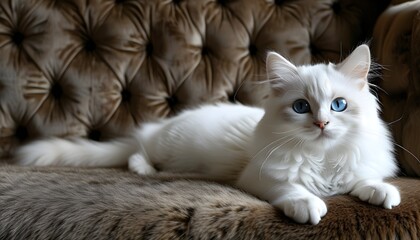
{"points": [[78, 152]]}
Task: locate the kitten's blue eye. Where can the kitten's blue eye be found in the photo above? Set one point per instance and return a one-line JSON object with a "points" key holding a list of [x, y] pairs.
{"points": [[339, 104], [301, 106]]}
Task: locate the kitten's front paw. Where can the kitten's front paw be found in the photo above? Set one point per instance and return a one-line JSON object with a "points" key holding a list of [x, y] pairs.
{"points": [[378, 193], [305, 209]]}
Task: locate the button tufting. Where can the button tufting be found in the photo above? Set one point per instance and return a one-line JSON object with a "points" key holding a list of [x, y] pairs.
{"points": [[90, 45], [279, 2], [125, 95], [222, 2], [149, 49], [95, 135], [252, 50], [205, 51], [336, 7], [56, 91], [176, 2], [232, 98], [21, 133], [18, 38], [119, 1], [172, 101], [314, 50]]}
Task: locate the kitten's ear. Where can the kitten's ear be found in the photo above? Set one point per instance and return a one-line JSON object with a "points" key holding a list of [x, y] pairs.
{"points": [[356, 65], [279, 70]]}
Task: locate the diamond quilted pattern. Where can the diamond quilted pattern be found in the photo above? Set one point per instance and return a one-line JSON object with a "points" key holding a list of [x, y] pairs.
{"points": [[98, 68]]}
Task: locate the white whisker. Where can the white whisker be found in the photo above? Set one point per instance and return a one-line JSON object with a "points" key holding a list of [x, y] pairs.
{"points": [[374, 86], [289, 131], [339, 163], [397, 120], [407, 151], [270, 144], [270, 153]]}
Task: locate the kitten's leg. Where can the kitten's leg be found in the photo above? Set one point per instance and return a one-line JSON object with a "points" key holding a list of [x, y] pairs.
{"points": [[299, 204], [293, 199], [377, 192], [139, 164]]}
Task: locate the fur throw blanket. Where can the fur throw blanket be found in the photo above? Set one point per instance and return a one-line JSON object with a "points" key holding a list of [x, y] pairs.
{"points": [[69, 203]]}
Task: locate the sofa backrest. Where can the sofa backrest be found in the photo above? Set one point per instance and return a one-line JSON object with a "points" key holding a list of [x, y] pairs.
{"points": [[98, 68]]}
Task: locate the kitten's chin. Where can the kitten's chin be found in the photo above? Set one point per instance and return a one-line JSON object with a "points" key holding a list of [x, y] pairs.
{"points": [[329, 139], [326, 135], [324, 139]]}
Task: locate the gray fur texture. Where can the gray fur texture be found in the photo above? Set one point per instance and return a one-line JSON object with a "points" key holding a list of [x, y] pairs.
{"points": [[68, 203]]}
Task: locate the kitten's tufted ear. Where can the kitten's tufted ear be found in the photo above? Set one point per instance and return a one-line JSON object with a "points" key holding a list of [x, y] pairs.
{"points": [[356, 65], [279, 70]]}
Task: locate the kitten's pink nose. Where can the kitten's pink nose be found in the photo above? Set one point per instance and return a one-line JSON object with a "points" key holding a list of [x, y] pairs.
{"points": [[321, 124]]}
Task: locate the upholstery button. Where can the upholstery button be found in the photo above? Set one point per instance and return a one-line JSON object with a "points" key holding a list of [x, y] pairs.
{"points": [[252, 50], [56, 91], [222, 2], [232, 98], [336, 7], [95, 135], [279, 2], [205, 51], [18, 38], [125, 95], [176, 2], [119, 1], [172, 101], [21, 133], [314, 50], [149, 49], [90, 45]]}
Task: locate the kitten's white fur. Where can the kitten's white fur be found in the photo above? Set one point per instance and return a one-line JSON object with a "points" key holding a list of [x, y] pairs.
{"points": [[274, 153]]}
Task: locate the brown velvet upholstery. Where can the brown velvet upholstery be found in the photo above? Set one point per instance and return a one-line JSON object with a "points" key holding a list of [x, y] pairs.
{"points": [[396, 46], [96, 69]]}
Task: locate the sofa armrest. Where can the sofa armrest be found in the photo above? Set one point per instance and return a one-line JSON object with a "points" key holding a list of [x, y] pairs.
{"points": [[395, 46]]}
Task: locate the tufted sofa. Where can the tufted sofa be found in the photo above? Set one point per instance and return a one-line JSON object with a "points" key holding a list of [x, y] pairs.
{"points": [[97, 69]]}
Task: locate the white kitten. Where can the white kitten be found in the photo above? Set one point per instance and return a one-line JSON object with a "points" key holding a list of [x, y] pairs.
{"points": [[319, 134]]}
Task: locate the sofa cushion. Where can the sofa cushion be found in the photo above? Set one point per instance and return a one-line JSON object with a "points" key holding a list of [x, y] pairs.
{"points": [[67, 203], [396, 46]]}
